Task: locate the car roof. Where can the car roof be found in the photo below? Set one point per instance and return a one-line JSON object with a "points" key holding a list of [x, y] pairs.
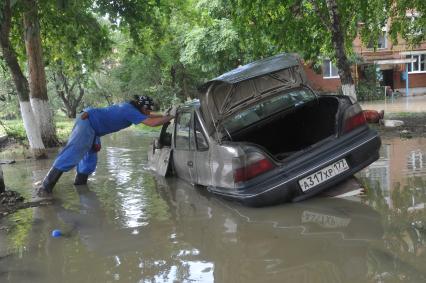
{"points": [[194, 103], [255, 69]]}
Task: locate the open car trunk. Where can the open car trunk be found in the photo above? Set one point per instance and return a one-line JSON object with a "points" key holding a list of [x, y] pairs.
{"points": [[295, 129]]}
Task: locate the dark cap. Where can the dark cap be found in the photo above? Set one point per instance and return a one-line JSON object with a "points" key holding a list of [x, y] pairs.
{"points": [[144, 101]]}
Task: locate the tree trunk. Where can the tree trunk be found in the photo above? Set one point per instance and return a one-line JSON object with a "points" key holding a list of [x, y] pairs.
{"points": [[21, 83], [2, 186], [37, 75], [348, 87]]}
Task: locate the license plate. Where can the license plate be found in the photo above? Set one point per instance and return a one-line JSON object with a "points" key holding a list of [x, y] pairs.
{"points": [[323, 175]]}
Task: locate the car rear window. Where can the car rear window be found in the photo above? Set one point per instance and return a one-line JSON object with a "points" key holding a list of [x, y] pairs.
{"points": [[265, 108]]}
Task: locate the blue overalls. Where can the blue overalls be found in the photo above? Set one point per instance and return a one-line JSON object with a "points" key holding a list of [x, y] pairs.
{"points": [[80, 149]]}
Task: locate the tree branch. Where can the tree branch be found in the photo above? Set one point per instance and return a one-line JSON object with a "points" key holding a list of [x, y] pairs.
{"points": [[80, 95], [75, 82], [323, 18]]}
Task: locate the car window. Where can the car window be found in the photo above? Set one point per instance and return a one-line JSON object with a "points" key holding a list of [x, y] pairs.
{"points": [[281, 101], [192, 145], [183, 124], [166, 134], [200, 139]]}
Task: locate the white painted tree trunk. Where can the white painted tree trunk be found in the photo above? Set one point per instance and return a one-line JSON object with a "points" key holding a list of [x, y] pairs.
{"points": [[43, 116], [32, 129], [349, 90]]}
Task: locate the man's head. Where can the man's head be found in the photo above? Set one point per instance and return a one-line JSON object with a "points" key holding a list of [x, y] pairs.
{"points": [[144, 103]]}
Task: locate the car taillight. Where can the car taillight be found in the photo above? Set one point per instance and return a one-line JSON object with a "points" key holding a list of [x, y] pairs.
{"points": [[253, 165], [353, 118]]}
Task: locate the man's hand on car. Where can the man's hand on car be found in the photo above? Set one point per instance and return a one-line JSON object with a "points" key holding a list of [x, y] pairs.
{"points": [[171, 111]]}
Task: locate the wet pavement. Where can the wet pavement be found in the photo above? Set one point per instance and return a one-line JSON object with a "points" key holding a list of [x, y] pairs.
{"points": [[129, 226]]}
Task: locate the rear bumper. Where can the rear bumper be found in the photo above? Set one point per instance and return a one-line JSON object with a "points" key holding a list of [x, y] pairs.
{"points": [[360, 149]]}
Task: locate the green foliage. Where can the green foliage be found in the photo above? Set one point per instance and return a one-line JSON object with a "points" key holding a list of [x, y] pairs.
{"points": [[166, 49], [73, 39], [8, 95], [213, 44], [64, 127], [138, 75], [304, 26], [143, 20], [367, 91], [214, 47], [368, 88], [408, 20], [14, 129]]}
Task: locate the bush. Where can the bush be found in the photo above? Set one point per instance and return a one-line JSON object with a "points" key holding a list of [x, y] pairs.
{"points": [[367, 91], [14, 129], [63, 128], [367, 88]]}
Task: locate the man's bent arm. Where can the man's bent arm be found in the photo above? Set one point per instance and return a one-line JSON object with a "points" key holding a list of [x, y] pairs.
{"points": [[154, 115], [157, 121]]}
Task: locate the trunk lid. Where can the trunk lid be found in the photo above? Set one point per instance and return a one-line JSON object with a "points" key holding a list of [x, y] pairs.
{"points": [[233, 91]]}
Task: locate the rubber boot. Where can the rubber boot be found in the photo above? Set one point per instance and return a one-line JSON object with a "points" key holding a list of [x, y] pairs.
{"points": [[51, 179], [80, 179], [46, 187]]}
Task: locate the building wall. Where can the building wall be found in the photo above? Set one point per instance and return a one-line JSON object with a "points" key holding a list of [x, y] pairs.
{"points": [[417, 81], [414, 80], [317, 82], [392, 51]]}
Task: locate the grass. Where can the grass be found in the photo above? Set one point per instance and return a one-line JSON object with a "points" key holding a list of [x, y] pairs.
{"points": [[15, 129], [63, 128]]}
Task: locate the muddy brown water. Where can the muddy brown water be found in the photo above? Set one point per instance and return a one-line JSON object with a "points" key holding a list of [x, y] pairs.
{"points": [[129, 226], [398, 104]]}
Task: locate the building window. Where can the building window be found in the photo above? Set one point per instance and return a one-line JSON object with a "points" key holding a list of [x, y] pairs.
{"points": [[381, 42], [329, 70], [419, 65]]}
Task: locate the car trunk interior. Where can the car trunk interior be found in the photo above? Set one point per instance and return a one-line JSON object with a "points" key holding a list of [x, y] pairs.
{"points": [[295, 129]]}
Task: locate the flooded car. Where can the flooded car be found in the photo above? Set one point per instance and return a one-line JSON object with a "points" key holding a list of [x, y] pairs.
{"points": [[260, 135]]}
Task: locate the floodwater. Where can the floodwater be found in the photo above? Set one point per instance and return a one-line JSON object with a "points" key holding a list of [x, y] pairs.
{"points": [[129, 226], [398, 104]]}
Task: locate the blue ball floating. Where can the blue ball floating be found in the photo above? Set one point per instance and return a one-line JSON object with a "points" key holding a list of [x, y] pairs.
{"points": [[56, 233]]}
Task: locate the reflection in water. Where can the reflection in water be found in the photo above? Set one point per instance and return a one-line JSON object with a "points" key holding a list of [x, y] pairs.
{"points": [[121, 167], [400, 104], [323, 240], [396, 187], [130, 226]]}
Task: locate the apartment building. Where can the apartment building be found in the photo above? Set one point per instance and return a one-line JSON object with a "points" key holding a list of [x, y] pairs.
{"points": [[394, 63]]}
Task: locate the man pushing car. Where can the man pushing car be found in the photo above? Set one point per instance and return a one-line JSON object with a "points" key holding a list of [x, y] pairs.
{"points": [[84, 141]]}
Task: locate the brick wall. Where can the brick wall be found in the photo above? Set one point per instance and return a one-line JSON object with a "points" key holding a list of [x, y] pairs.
{"points": [[317, 82], [414, 79]]}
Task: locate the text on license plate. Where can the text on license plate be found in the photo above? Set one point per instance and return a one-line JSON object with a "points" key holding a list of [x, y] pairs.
{"points": [[323, 175]]}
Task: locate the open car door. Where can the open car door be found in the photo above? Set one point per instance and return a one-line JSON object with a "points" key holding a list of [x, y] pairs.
{"points": [[159, 156]]}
